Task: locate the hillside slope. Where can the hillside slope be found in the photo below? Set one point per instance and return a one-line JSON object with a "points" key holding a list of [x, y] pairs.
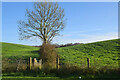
{"points": [[104, 53], [10, 50]]}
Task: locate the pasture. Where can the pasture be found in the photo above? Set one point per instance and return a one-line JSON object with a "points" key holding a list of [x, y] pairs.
{"points": [[103, 55]]}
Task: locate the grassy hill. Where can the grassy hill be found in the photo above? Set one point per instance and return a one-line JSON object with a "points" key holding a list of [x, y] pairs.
{"points": [[104, 53], [10, 50]]}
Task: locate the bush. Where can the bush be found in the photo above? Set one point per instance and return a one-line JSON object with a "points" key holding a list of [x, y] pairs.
{"points": [[8, 66], [48, 55]]}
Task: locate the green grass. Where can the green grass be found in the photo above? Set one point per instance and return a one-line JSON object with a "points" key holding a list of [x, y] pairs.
{"points": [[10, 50], [104, 53], [35, 78], [83, 77], [38, 78]]}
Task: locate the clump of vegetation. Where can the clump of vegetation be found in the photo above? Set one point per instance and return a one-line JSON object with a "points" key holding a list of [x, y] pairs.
{"points": [[69, 70], [48, 55], [16, 66]]}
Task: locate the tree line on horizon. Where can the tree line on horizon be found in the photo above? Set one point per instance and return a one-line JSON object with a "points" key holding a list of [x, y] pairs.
{"points": [[63, 45]]}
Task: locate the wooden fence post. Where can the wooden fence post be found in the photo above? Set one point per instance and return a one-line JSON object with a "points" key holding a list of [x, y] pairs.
{"points": [[57, 63], [35, 63], [40, 63], [30, 63], [88, 62]]}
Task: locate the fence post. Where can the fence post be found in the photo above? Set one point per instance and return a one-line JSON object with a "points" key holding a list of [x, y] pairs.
{"points": [[40, 63], [30, 63], [88, 62], [35, 63], [57, 63]]}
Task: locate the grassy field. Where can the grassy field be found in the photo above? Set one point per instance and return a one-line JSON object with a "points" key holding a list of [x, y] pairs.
{"points": [[104, 53], [12, 51]]}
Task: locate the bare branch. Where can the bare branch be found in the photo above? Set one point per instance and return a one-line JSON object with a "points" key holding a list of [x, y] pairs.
{"points": [[45, 22]]}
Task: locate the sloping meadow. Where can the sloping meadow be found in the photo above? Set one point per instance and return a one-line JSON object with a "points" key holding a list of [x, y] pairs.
{"points": [[104, 53]]}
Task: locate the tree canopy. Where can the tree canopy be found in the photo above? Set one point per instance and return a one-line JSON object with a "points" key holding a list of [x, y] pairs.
{"points": [[45, 22]]}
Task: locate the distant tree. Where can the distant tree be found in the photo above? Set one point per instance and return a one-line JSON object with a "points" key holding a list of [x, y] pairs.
{"points": [[44, 22]]}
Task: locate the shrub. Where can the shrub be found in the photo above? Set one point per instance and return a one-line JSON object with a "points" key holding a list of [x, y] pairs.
{"points": [[21, 65], [48, 55], [8, 66]]}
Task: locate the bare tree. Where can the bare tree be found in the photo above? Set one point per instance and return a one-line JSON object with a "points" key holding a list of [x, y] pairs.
{"points": [[45, 22]]}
